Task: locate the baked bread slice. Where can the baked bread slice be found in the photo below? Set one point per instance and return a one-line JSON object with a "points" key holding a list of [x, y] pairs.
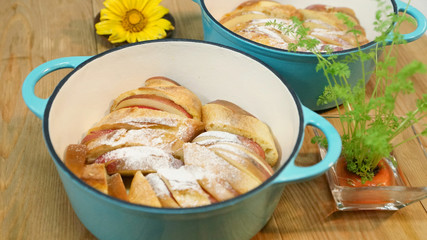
{"points": [[184, 187], [95, 175], [162, 191], [217, 187], [129, 160], [160, 81], [170, 98], [116, 187], [225, 116], [142, 193], [120, 138], [201, 156], [136, 118], [327, 27], [75, 158]]}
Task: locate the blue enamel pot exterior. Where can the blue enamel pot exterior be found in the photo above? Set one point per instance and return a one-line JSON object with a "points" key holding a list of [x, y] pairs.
{"points": [[299, 68], [211, 71]]}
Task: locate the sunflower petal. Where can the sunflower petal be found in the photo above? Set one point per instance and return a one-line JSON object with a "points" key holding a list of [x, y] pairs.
{"points": [[155, 32], [152, 5], [106, 14], [163, 23], [140, 5], [142, 36], [132, 37], [157, 13], [116, 7], [106, 27], [118, 36]]}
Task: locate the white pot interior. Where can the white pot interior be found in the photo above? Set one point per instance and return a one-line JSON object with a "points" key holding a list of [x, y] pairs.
{"points": [[365, 9], [210, 71]]}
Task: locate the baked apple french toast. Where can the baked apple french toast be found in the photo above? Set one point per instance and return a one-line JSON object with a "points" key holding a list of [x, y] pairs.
{"points": [[160, 147], [271, 23]]}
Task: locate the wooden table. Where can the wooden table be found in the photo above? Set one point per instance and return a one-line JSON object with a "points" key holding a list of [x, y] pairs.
{"points": [[33, 203]]}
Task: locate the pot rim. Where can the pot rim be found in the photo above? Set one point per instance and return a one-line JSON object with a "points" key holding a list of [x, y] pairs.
{"points": [[278, 51], [141, 208]]}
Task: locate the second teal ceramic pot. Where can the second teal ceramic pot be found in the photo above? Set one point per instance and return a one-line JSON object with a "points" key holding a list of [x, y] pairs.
{"points": [[212, 72], [299, 68]]}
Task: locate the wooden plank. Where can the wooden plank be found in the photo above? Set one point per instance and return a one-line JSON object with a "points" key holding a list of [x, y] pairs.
{"points": [[33, 203]]}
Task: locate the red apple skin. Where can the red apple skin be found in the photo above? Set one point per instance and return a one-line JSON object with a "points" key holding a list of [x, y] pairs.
{"points": [[162, 100], [110, 164], [94, 135], [256, 148]]}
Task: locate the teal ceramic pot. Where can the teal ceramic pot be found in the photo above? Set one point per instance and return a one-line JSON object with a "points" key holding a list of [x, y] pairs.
{"points": [[212, 72], [299, 68]]}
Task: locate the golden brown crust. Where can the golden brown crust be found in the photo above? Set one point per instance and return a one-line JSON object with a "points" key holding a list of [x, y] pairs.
{"points": [[219, 117], [116, 187], [75, 158], [95, 175], [160, 81], [142, 193]]}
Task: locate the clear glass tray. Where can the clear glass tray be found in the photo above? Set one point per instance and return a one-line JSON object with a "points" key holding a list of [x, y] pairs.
{"points": [[379, 197]]}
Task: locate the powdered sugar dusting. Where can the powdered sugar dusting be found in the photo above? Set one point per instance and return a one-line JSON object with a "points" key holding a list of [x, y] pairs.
{"points": [[184, 187], [212, 137], [205, 158], [143, 158], [144, 136], [144, 121], [157, 184], [179, 179]]}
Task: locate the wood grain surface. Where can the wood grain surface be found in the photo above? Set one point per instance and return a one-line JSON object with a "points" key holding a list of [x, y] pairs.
{"points": [[33, 203]]}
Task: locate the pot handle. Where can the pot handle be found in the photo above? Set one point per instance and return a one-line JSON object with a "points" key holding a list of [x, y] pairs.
{"points": [[35, 104], [419, 18], [293, 173]]}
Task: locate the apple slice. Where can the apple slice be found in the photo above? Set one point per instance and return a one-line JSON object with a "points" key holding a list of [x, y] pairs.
{"points": [[162, 191], [212, 137], [153, 101], [241, 160], [218, 188], [142, 193], [95, 175], [159, 81], [176, 99], [184, 187], [203, 157], [116, 187], [243, 151], [129, 160], [75, 158]]}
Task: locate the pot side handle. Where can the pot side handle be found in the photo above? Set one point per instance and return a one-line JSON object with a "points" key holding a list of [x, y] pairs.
{"points": [[419, 18], [293, 173], [35, 104]]}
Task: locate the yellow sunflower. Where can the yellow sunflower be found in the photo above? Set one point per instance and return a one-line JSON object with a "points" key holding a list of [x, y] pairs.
{"points": [[133, 20]]}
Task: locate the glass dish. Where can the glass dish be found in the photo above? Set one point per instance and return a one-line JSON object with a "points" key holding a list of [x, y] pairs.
{"points": [[384, 197]]}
